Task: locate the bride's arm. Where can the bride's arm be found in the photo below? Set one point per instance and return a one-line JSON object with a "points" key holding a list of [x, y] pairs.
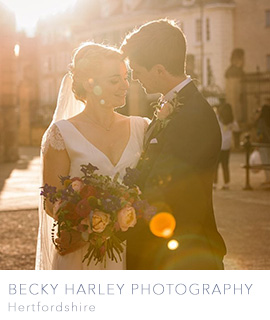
{"points": [[55, 163], [55, 160]]}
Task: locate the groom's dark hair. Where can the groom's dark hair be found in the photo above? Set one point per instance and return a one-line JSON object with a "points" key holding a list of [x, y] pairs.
{"points": [[157, 42]]}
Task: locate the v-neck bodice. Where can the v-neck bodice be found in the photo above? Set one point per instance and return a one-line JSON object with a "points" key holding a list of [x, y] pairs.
{"points": [[81, 151]]}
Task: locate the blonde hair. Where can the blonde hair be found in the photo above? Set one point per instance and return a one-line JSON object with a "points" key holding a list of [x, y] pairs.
{"points": [[87, 63]]}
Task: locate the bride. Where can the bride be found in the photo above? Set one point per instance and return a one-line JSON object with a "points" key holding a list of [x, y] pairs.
{"points": [[87, 129]]}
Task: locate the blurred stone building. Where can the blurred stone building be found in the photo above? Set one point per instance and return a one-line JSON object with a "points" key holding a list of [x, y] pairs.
{"points": [[8, 110], [247, 93], [27, 90], [214, 28], [108, 21]]}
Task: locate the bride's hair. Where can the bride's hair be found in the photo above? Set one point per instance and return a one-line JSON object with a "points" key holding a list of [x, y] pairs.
{"points": [[87, 63]]}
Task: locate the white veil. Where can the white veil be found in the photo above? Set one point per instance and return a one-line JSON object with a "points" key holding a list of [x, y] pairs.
{"points": [[67, 107]]}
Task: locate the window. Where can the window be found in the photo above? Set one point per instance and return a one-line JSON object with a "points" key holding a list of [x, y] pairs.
{"points": [[268, 63], [47, 64], [63, 60], [198, 30], [47, 91], [207, 29], [209, 72], [267, 18], [188, 2]]}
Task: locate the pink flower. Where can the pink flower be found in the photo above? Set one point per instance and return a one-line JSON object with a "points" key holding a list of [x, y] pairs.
{"points": [[77, 185], [165, 111], [56, 207], [126, 218]]}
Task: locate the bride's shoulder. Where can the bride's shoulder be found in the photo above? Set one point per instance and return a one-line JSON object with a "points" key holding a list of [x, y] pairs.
{"points": [[141, 119], [142, 122], [53, 137]]}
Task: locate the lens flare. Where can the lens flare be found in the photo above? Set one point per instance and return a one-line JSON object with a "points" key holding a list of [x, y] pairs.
{"points": [[162, 225], [173, 244], [97, 90], [17, 50]]}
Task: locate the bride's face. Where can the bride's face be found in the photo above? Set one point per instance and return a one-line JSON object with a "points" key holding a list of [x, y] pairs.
{"points": [[110, 86]]}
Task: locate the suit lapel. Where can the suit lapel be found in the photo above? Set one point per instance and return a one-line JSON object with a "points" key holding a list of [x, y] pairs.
{"points": [[186, 93], [151, 132], [154, 128]]}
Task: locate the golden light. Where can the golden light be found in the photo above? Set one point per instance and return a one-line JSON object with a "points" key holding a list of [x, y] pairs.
{"points": [[173, 244], [162, 225], [28, 12], [17, 50]]}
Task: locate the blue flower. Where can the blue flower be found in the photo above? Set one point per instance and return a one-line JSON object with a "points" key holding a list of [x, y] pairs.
{"points": [[111, 203], [131, 177], [88, 169], [144, 209], [48, 192]]}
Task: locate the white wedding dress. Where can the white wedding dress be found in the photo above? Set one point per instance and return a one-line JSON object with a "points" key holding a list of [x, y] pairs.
{"points": [[64, 135]]}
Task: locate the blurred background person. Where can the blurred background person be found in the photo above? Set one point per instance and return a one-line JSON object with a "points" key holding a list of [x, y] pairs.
{"points": [[234, 91], [263, 136], [227, 125]]}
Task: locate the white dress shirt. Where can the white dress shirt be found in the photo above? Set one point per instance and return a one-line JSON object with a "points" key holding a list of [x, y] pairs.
{"points": [[170, 95]]}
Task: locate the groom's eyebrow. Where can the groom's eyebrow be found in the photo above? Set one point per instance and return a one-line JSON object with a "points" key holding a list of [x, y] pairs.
{"points": [[116, 75]]}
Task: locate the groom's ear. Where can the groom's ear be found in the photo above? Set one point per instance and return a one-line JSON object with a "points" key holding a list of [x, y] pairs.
{"points": [[159, 70], [88, 85]]}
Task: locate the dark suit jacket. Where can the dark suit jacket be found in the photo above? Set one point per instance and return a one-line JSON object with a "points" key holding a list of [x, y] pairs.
{"points": [[176, 176]]}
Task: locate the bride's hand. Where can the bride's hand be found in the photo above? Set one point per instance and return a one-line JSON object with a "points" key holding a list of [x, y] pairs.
{"points": [[69, 242]]}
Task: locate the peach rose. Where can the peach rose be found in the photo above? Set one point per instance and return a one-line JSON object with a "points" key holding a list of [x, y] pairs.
{"points": [[99, 221], [77, 185], [126, 218]]}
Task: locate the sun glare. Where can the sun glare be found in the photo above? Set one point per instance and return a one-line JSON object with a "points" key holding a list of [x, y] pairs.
{"points": [[17, 50], [173, 244], [29, 11]]}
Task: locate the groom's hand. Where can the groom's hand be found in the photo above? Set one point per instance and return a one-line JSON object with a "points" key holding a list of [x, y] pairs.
{"points": [[69, 242]]}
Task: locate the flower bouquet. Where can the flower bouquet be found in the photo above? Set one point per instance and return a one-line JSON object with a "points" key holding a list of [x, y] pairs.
{"points": [[99, 207]]}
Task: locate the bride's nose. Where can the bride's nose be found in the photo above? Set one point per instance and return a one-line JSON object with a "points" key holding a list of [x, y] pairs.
{"points": [[124, 84]]}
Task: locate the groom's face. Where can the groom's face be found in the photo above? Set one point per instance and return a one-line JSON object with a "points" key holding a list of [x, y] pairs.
{"points": [[145, 77]]}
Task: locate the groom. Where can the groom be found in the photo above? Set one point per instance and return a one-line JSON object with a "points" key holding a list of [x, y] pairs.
{"points": [[180, 154]]}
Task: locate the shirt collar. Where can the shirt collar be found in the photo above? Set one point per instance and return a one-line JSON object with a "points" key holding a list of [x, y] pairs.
{"points": [[170, 95]]}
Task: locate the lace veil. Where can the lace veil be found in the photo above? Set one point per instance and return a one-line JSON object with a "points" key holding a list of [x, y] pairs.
{"points": [[67, 107]]}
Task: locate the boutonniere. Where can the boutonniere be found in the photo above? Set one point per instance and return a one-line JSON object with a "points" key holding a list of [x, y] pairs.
{"points": [[164, 110]]}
